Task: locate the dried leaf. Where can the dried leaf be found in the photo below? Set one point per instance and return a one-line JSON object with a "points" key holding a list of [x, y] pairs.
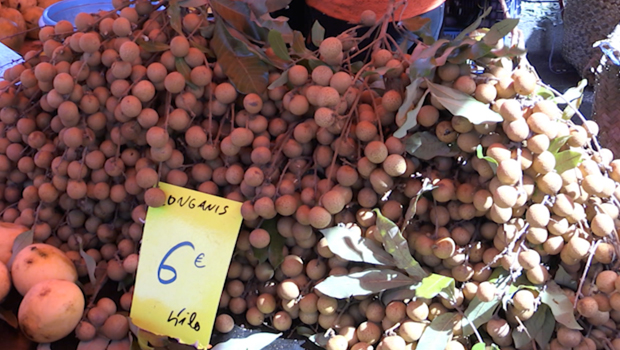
{"points": [[277, 44], [152, 46], [362, 283], [562, 308], [557, 143], [425, 145], [563, 279], [299, 44], [348, 243], [499, 30], [566, 160], [253, 341], [174, 12], [281, 81], [478, 313], [395, 244], [9, 317], [415, 23], [405, 109], [91, 265], [474, 25], [237, 14], [23, 240], [435, 284], [413, 203], [245, 69], [460, 103], [192, 3], [437, 335], [99, 343], [318, 33], [492, 162]]}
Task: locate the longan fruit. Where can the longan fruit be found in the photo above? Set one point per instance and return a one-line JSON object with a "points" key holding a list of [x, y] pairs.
{"points": [[605, 281], [321, 75], [486, 291], [395, 342], [116, 327], [368, 332], [465, 84], [587, 307], [516, 130], [174, 82], [485, 93], [505, 196], [524, 82], [602, 225], [368, 18], [85, 331], [448, 72], [330, 47], [154, 197], [259, 238], [391, 100], [509, 171], [328, 97], [428, 116], [445, 132], [569, 337], [224, 323]]}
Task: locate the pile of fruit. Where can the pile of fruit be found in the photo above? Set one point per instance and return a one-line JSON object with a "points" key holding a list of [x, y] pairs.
{"points": [[19, 19], [440, 199]]}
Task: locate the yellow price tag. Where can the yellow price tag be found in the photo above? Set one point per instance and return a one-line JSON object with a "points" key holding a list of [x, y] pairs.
{"points": [[186, 249]]}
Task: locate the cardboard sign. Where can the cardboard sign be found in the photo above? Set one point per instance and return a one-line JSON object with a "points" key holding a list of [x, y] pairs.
{"points": [[186, 249]]}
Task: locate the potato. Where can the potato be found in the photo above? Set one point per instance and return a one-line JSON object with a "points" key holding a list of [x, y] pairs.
{"points": [[51, 310], [5, 281], [39, 262], [8, 232]]}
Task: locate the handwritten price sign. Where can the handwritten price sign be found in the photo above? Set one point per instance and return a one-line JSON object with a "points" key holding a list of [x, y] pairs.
{"points": [[186, 249]]}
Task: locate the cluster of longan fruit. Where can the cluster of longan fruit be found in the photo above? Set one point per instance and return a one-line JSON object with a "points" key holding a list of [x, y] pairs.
{"points": [[91, 125]]}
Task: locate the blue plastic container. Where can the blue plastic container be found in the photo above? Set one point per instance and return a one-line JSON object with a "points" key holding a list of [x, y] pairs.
{"points": [[68, 9]]}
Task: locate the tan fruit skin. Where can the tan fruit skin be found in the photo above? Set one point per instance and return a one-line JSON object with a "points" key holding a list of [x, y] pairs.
{"points": [[5, 281], [8, 232], [51, 310], [39, 262]]}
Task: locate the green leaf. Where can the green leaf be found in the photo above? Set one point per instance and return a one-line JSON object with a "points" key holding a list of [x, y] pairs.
{"points": [[174, 12], [277, 44], [479, 49], [562, 308], [401, 293], [557, 143], [299, 44], [348, 243], [281, 81], [9, 317], [201, 47], [544, 92], [563, 279], [183, 68], [474, 25], [437, 335], [207, 31], [22, 240], [91, 265], [405, 109], [276, 242], [245, 69], [279, 24], [566, 160], [152, 46], [318, 33], [540, 327], [492, 162], [435, 284], [478, 313], [483, 346], [313, 63], [460, 103], [395, 244], [574, 95], [362, 283], [356, 66], [425, 145], [499, 30]]}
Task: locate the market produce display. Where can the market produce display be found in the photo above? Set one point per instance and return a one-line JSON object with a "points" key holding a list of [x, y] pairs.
{"points": [[438, 199], [19, 20]]}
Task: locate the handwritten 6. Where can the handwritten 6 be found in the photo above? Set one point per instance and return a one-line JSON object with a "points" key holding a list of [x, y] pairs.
{"points": [[163, 266]]}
